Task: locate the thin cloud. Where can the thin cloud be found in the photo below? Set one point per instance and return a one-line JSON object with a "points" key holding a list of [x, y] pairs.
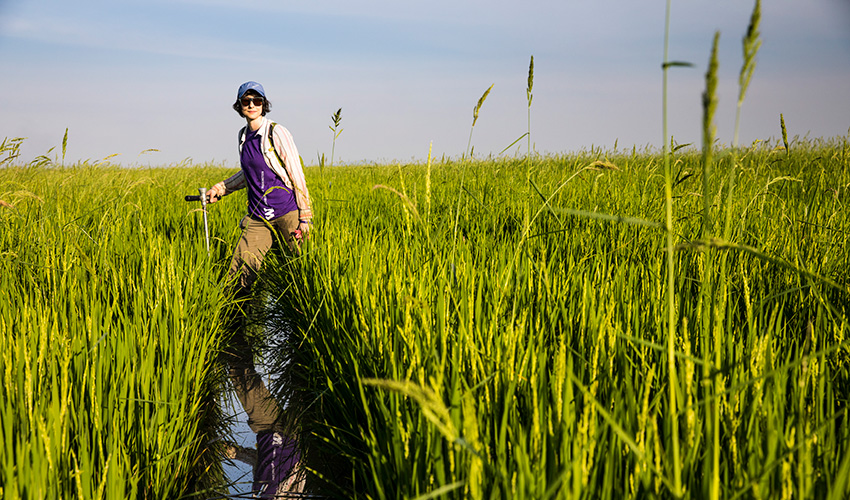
{"points": [[57, 31]]}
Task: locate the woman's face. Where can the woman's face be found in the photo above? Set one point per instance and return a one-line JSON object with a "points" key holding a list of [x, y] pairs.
{"points": [[252, 106]]}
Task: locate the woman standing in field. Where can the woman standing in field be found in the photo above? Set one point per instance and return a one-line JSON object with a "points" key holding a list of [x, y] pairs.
{"points": [[278, 213]]}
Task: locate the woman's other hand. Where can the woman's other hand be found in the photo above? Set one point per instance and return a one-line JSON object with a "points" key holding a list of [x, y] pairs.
{"points": [[303, 230], [216, 192]]}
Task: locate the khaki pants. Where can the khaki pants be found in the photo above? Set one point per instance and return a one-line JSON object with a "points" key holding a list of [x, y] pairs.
{"points": [[258, 237]]}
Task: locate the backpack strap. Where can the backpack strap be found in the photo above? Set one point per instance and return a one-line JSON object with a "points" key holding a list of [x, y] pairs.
{"points": [[271, 141], [279, 159]]}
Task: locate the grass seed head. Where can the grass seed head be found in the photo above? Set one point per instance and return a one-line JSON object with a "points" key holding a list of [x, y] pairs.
{"points": [[784, 133], [337, 117], [480, 102], [752, 43]]}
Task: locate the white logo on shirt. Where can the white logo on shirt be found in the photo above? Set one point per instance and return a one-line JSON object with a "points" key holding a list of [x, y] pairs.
{"points": [[269, 213]]}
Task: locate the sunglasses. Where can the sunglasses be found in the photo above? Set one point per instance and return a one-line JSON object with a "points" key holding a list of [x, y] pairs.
{"points": [[246, 101]]}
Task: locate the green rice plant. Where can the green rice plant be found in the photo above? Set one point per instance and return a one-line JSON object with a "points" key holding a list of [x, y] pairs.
{"points": [[751, 45], [711, 334], [10, 150], [475, 118], [671, 301], [529, 96], [64, 145], [428, 186], [784, 133], [469, 155], [709, 132], [336, 118]]}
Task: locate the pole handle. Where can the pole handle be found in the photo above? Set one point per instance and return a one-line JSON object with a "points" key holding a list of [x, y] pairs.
{"points": [[195, 197]]}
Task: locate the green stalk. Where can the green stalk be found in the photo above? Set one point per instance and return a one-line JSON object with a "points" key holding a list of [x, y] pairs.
{"points": [[468, 154], [715, 323], [428, 190], [709, 103], [529, 96], [671, 283]]}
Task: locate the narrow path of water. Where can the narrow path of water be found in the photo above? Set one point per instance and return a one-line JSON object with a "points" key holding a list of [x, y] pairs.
{"points": [[239, 474]]}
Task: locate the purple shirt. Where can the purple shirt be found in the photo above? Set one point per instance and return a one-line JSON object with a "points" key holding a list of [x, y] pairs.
{"points": [[268, 196]]}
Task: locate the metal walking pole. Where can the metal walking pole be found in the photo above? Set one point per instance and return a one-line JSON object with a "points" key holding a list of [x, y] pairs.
{"points": [[203, 199], [203, 192]]}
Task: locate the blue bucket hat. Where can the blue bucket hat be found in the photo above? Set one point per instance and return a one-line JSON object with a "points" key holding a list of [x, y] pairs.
{"points": [[245, 87]]}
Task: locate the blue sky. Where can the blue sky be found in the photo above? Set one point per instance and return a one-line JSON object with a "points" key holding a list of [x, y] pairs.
{"points": [[131, 75]]}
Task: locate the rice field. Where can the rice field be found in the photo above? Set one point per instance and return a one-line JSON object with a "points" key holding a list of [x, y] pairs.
{"points": [[610, 323], [440, 350], [432, 344], [108, 307]]}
